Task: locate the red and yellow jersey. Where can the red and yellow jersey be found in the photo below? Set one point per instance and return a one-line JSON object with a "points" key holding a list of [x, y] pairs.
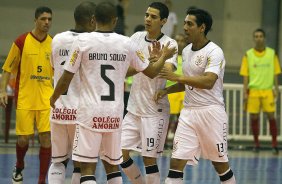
{"points": [[29, 60]]}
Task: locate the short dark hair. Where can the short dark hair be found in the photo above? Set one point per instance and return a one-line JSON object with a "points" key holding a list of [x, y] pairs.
{"points": [[162, 8], [260, 30], [42, 9], [104, 13], [84, 12], [202, 17]]}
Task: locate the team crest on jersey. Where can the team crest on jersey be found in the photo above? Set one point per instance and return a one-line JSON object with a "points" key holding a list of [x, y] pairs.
{"points": [[199, 60], [74, 57], [140, 55], [47, 56]]}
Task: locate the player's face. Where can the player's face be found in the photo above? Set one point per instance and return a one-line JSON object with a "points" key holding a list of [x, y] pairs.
{"points": [[259, 38], [192, 30], [153, 22], [43, 22]]}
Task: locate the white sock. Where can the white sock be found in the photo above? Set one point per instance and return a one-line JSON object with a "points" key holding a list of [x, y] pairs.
{"points": [[75, 179], [227, 177], [153, 178], [132, 172], [173, 181], [88, 179], [114, 178], [57, 173], [152, 174]]}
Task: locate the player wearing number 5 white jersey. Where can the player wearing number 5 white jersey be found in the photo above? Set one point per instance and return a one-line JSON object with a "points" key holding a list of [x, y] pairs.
{"points": [[102, 59], [63, 117], [145, 125], [203, 122]]}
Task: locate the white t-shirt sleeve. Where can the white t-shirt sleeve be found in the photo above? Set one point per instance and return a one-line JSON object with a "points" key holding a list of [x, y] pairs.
{"points": [[74, 60], [215, 61]]}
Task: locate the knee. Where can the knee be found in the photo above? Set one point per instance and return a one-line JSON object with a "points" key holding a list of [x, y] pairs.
{"points": [[125, 154], [220, 167], [45, 139], [149, 161], [23, 140], [177, 164]]}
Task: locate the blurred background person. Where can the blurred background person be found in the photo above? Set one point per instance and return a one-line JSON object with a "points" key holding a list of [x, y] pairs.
{"points": [[260, 69], [170, 27], [122, 7]]}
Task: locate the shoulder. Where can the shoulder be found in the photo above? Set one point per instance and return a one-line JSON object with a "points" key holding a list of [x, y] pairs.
{"points": [[139, 34], [213, 47]]}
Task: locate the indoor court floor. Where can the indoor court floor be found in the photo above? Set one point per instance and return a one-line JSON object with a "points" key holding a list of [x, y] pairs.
{"points": [[249, 167]]}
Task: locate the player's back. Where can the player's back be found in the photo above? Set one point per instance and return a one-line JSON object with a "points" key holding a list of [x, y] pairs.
{"points": [[61, 46], [104, 60]]}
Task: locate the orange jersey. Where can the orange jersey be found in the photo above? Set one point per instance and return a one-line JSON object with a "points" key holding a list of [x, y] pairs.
{"points": [[29, 60]]}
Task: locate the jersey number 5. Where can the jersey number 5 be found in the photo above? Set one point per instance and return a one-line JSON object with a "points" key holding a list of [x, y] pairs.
{"points": [[111, 96]]}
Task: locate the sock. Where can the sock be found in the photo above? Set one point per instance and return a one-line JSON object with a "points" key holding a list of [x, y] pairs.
{"points": [[75, 179], [114, 178], [132, 172], [21, 151], [57, 173], [152, 174], [255, 129], [227, 177], [174, 177], [88, 179], [273, 131], [44, 158]]}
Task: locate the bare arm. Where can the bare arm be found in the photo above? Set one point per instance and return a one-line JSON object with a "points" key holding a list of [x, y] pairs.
{"points": [[3, 86], [245, 87], [205, 81], [131, 71], [61, 87]]}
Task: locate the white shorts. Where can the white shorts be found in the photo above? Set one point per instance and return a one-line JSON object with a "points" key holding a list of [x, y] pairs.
{"points": [[201, 130], [62, 136], [89, 145], [144, 134]]}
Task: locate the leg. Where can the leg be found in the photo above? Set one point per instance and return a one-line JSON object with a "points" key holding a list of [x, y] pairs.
{"points": [[130, 169], [57, 172], [21, 149], [152, 170], [76, 174], [8, 112], [175, 174], [255, 128], [273, 131], [113, 173], [225, 173], [87, 172], [44, 155]]}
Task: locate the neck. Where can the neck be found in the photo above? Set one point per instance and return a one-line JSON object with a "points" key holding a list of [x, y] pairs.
{"points": [[106, 28], [260, 48], [153, 36], [200, 43], [80, 29], [39, 34]]}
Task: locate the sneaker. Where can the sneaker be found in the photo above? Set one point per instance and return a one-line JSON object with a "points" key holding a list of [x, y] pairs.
{"points": [[256, 149], [17, 176], [275, 151]]}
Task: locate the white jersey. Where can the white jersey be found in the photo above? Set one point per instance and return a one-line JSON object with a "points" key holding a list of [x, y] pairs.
{"points": [[210, 58], [102, 60], [141, 102], [66, 105]]}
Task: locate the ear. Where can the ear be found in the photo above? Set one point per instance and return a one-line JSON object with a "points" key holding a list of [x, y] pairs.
{"points": [[163, 21], [203, 28]]}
